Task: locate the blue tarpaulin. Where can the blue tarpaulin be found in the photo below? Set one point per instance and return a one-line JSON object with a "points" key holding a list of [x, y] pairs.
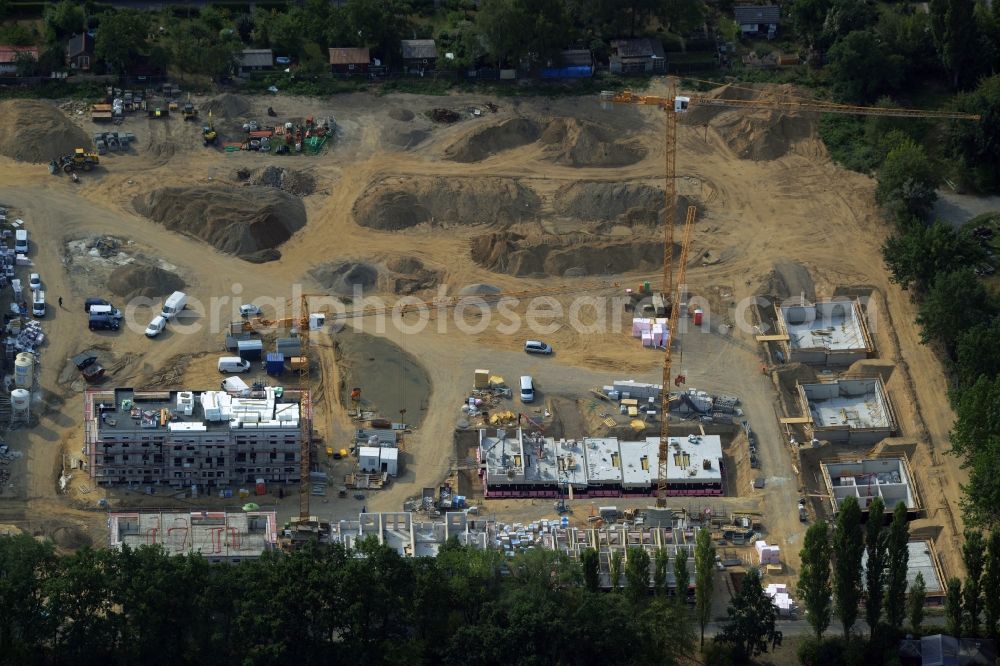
{"points": [[576, 72]]}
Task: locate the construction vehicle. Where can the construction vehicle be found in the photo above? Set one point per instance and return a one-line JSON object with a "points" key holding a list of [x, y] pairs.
{"points": [[208, 134], [188, 112], [674, 105], [159, 112], [80, 159]]}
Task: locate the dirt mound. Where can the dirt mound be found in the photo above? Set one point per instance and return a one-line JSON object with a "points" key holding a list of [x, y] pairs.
{"points": [[33, 131], [510, 134], [565, 255], [788, 279], [443, 115], [294, 182], [136, 280], [758, 135], [404, 138], [621, 203], [401, 202], [250, 223], [227, 105], [478, 289], [580, 143], [343, 276], [402, 115], [409, 275]]}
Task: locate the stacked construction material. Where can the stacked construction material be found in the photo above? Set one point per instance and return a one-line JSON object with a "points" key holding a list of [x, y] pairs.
{"points": [[767, 554]]}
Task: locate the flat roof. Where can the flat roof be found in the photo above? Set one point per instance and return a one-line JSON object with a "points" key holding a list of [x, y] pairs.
{"points": [[640, 462], [694, 459], [126, 410], [524, 458], [603, 459], [211, 533], [854, 403], [868, 478], [922, 560], [833, 325]]}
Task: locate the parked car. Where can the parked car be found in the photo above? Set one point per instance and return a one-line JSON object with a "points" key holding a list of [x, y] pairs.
{"points": [[38, 304], [103, 322], [108, 310], [527, 389], [90, 302], [175, 302], [248, 310], [35, 282], [537, 347], [229, 364], [21, 241], [156, 326]]}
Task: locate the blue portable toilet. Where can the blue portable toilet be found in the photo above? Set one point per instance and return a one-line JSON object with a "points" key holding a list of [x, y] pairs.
{"points": [[275, 363]]}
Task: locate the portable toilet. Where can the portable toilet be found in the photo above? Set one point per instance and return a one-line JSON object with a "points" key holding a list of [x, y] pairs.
{"points": [[275, 363]]}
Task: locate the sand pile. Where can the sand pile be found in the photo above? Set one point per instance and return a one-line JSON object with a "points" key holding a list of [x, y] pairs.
{"points": [[402, 115], [488, 141], [33, 131], [226, 105], [294, 182], [396, 137], [135, 280], [622, 203], [763, 134], [250, 223], [401, 202], [408, 275], [580, 143], [566, 255], [343, 276]]}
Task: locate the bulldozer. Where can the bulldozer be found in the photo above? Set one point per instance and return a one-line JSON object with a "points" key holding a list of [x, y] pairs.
{"points": [[79, 160], [188, 112], [208, 133]]}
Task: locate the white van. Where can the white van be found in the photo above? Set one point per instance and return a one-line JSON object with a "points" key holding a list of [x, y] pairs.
{"points": [[527, 389], [175, 302], [108, 310], [21, 241], [38, 304], [235, 385], [229, 364]]}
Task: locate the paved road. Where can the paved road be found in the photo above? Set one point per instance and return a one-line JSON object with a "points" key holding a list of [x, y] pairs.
{"points": [[957, 209]]}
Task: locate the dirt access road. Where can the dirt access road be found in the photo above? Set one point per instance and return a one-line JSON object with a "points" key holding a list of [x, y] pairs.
{"points": [[575, 185]]}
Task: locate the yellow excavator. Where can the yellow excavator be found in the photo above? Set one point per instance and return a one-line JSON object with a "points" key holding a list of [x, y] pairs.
{"points": [[79, 160], [208, 133]]}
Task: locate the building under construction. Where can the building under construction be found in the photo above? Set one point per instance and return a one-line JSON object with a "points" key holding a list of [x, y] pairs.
{"points": [[203, 439], [517, 464], [864, 480], [832, 332], [848, 411], [218, 536]]}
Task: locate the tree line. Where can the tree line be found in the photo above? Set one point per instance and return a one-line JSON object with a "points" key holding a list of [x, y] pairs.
{"points": [[330, 604]]}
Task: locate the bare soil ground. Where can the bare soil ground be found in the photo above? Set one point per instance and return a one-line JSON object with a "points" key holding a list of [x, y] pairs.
{"points": [[389, 190]]}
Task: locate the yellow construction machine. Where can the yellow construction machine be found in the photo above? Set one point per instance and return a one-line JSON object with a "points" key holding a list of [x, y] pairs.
{"points": [[79, 160]]}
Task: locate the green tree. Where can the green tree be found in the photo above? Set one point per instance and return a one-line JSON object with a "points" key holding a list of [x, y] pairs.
{"points": [[26, 568], [953, 607], [975, 143], [681, 576], [752, 625], [63, 19], [661, 562], [976, 355], [954, 299], [919, 253], [808, 17], [905, 33], [380, 25], [704, 579], [591, 563], [848, 545], [615, 570], [529, 31], [991, 583], [974, 558], [845, 17], [121, 38], [814, 576], [875, 572], [860, 68], [637, 574], [898, 560], [953, 27], [915, 602], [907, 181]]}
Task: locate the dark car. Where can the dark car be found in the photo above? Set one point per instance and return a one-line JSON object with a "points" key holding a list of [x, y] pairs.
{"points": [[101, 322], [94, 301]]}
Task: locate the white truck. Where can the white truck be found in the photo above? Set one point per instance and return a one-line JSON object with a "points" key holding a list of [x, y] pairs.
{"points": [[38, 304], [175, 302]]}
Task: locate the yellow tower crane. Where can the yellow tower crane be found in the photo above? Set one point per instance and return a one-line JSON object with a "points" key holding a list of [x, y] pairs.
{"points": [[674, 105]]}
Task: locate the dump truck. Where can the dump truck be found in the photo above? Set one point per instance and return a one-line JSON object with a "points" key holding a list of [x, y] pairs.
{"points": [[188, 112], [79, 160]]}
